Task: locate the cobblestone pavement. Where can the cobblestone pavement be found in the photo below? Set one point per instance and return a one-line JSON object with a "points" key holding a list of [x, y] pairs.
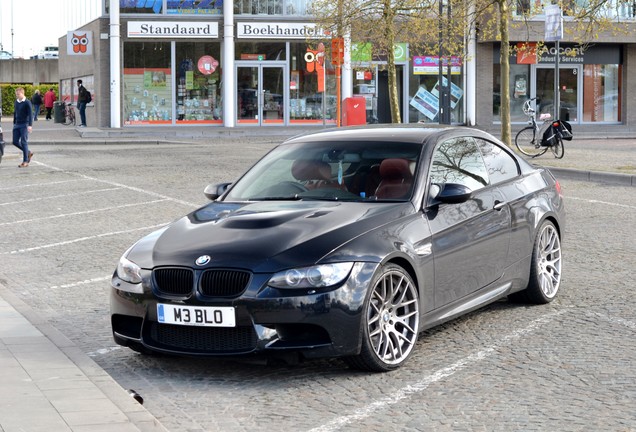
{"points": [[567, 366]]}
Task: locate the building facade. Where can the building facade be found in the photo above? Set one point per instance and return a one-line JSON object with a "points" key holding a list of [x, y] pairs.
{"points": [[265, 64]]}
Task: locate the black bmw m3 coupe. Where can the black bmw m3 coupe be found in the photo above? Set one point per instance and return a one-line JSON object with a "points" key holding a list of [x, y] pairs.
{"points": [[345, 243]]}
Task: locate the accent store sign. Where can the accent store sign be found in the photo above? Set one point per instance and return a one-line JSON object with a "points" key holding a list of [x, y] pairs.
{"points": [[173, 29]]}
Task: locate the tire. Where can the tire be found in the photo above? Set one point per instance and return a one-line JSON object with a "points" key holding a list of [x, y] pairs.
{"points": [[545, 267], [558, 148], [390, 322], [526, 142]]}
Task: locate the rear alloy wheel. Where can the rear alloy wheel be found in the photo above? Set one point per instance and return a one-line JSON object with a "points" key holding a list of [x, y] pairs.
{"points": [[545, 270], [391, 321]]}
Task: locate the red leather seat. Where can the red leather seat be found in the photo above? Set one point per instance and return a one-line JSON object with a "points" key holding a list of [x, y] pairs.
{"points": [[314, 174], [397, 179]]}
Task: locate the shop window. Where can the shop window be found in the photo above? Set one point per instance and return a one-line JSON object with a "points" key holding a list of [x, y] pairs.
{"points": [[272, 7], [198, 90], [135, 6], [189, 7], [519, 91], [312, 97], [424, 90], [364, 86], [602, 93], [147, 92]]}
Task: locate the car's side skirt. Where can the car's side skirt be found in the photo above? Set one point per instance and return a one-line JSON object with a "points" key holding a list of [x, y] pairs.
{"points": [[467, 304]]}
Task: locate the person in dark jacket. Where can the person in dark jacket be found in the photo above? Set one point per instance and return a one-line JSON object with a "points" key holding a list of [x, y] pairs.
{"points": [[22, 125], [36, 102], [81, 102]]}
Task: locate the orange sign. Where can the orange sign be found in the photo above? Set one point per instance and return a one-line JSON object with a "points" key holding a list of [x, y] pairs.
{"points": [[315, 60], [527, 53]]}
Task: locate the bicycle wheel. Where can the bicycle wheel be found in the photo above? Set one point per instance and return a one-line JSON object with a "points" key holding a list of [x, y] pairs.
{"points": [[558, 148], [67, 116], [528, 143], [71, 116]]}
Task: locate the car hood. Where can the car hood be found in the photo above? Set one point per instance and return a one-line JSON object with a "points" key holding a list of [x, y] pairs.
{"points": [[262, 236]]}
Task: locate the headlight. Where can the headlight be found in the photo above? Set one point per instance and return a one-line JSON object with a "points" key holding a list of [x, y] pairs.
{"points": [[319, 276], [128, 271]]}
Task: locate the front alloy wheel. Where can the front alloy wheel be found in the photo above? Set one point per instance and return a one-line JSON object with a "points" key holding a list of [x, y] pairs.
{"points": [[391, 321]]}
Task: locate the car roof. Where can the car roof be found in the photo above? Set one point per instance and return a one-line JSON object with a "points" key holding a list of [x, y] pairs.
{"points": [[414, 133]]}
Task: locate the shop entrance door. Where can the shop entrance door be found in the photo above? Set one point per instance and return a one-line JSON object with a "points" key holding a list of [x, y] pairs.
{"points": [[260, 96], [570, 83]]}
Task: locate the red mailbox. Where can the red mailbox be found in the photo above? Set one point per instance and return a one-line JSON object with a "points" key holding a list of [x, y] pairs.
{"points": [[355, 111]]}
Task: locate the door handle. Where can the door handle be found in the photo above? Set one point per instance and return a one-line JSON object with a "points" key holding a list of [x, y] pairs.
{"points": [[499, 205]]}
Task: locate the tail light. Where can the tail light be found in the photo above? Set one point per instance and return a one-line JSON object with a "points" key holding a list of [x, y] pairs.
{"points": [[557, 186]]}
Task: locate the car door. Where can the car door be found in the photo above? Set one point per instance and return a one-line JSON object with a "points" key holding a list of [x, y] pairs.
{"points": [[470, 238]]}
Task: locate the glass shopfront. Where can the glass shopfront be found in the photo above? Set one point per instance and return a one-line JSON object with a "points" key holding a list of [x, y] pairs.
{"points": [[424, 89], [312, 85], [147, 83], [171, 83], [590, 88], [198, 78], [284, 83]]}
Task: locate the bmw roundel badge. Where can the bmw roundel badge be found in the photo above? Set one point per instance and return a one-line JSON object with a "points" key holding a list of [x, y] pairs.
{"points": [[203, 260]]}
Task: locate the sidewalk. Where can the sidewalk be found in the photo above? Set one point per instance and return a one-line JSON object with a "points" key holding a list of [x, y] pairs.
{"points": [[49, 384]]}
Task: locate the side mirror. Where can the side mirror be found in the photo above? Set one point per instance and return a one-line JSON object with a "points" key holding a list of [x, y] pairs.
{"points": [[449, 193], [213, 191]]}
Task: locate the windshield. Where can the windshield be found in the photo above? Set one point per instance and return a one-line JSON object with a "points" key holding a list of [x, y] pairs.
{"points": [[348, 171]]}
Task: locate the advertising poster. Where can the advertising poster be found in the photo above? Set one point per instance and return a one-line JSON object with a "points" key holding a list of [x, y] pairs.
{"points": [[426, 103], [456, 92]]}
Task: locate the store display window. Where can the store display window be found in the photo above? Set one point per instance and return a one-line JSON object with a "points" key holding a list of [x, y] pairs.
{"points": [[519, 91], [202, 7], [312, 85], [364, 86], [147, 83], [137, 6], [198, 89], [602, 93], [424, 85]]}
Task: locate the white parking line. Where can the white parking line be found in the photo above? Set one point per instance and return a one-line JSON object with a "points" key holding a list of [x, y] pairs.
{"points": [[439, 375], [74, 194], [103, 351], [80, 283], [82, 212], [602, 202], [615, 320], [136, 189], [82, 239], [39, 184]]}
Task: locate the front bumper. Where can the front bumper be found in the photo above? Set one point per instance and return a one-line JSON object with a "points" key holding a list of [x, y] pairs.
{"points": [[268, 320]]}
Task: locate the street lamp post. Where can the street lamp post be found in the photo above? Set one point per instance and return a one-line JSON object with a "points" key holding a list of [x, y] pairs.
{"points": [[444, 115]]}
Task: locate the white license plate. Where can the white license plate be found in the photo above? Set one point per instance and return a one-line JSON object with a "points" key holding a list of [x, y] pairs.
{"points": [[196, 315]]}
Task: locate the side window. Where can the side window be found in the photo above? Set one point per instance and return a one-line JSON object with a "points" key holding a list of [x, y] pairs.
{"points": [[501, 166], [458, 160]]}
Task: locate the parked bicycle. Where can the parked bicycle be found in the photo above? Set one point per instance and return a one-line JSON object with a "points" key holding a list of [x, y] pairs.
{"points": [[536, 139], [69, 113]]}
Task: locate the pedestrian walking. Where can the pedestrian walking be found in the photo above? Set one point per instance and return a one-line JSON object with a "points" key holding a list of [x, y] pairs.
{"points": [[82, 100], [49, 100], [36, 101], [22, 125]]}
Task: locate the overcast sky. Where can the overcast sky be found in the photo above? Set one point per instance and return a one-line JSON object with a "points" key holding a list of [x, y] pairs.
{"points": [[40, 23]]}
